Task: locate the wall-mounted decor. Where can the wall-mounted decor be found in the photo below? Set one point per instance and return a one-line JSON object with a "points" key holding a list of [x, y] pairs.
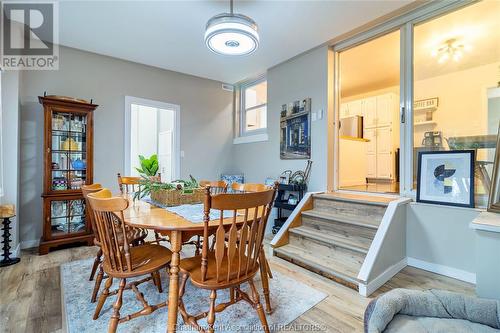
{"points": [[494, 201], [295, 130], [446, 177]]}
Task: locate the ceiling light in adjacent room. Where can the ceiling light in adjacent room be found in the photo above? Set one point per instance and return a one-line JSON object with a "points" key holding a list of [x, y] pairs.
{"points": [[231, 34], [451, 49]]}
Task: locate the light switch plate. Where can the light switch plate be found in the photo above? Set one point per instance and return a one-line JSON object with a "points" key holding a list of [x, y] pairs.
{"points": [[313, 116], [320, 114]]}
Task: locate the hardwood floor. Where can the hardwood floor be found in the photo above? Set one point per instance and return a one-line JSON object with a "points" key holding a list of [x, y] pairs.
{"points": [[30, 294]]}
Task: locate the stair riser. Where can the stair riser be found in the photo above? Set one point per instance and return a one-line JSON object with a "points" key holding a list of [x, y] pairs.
{"points": [[338, 227], [325, 248], [327, 252], [351, 209], [317, 271]]}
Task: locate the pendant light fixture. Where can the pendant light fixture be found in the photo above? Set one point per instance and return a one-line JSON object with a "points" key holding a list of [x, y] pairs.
{"points": [[231, 34]]}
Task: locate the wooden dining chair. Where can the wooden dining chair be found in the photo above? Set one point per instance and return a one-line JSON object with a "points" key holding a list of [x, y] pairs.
{"points": [[216, 186], [249, 187], [129, 185], [122, 261], [246, 188], [136, 236], [231, 263]]}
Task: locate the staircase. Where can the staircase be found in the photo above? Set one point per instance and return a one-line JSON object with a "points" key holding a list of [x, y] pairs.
{"points": [[334, 236]]}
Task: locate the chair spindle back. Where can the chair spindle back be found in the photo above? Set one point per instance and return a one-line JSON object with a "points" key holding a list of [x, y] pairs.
{"points": [[216, 187], [108, 215], [86, 190], [128, 184], [249, 187], [245, 234]]}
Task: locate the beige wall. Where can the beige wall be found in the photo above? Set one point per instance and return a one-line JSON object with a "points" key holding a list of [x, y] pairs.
{"points": [[206, 120]]}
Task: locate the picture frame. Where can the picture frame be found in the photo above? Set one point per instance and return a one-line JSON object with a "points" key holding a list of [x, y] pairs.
{"points": [[494, 198], [446, 178], [295, 130]]}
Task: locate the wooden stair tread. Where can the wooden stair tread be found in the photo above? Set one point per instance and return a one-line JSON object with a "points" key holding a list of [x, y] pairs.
{"points": [[351, 242], [336, 268], [357, 221], [355, 198]]}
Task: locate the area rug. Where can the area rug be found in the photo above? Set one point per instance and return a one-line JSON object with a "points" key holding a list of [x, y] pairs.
{"points": [[289, 298]]}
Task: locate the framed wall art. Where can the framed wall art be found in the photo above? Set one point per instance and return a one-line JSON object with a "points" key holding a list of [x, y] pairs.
{"points": [[446, 177], [295, 130]]}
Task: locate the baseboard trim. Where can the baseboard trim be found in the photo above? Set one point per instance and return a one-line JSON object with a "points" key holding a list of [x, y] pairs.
{"points": [[30, 243], [443, 270], [367, 289]]}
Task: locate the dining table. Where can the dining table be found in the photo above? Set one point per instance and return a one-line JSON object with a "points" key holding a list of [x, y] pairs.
{"points": [[179, 230]]}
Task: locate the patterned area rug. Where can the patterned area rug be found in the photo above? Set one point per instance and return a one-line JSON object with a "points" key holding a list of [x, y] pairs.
{"points": [[289, 298]]}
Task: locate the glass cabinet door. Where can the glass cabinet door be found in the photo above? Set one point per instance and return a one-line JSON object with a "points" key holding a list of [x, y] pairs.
{"points": [[67, 216], [69, 151]]}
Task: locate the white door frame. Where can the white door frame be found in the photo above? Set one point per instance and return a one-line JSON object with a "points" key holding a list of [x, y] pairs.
{"points": [[176, 152]]}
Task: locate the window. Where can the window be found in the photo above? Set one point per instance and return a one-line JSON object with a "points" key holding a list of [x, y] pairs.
{"points": [[253, 108], [456, 87]]}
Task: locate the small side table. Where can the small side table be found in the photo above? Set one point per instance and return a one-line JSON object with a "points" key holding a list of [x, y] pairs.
{"points": [[6, 213]]}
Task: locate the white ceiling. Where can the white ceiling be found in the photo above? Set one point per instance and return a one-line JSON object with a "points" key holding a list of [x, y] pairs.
{"points": [[169, 34]]}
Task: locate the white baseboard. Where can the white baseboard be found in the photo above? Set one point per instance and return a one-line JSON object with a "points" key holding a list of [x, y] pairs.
{"points": [[443, 270], [367, 289], [30, 243]]}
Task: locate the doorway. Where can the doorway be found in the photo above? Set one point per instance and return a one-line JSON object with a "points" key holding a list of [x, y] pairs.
{"points": [[369, 140], [152, 128]]}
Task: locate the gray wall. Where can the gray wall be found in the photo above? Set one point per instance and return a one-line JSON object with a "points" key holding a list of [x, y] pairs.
{"points": [[305, 76], [206, 120], [10, 146], [441, 235]]}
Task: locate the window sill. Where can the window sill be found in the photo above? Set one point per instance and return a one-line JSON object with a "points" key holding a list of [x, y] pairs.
{"points": [[251, 138]]}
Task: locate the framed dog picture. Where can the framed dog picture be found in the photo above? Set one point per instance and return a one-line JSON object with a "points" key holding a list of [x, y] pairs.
{"points": [[446, 177]]}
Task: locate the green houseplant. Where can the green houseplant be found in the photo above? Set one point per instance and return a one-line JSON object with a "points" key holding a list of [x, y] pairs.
{"points": [[149, 166]]}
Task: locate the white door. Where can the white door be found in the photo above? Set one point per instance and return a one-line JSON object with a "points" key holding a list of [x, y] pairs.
{"points": [[384, 152], [370, 112], [165, 141], [385, 110]]}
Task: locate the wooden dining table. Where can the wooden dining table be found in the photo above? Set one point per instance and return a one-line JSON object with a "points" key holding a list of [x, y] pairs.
{"points": [[179, 230]]}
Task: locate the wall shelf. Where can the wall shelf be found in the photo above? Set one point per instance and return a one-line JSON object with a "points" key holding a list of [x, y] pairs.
{"points": [[421, 123]]}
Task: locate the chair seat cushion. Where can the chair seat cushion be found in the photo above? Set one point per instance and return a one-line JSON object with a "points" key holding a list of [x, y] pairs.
{"points": [[146, 259], [192, 266]]}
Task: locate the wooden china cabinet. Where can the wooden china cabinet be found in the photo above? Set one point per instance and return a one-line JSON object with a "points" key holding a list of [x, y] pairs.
{"points": [[68, 164]]}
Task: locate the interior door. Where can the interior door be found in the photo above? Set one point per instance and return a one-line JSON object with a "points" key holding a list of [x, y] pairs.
{"points": [[165, 141]]}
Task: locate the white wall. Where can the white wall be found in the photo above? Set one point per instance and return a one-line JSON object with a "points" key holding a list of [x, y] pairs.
{"points": [[440, 236], [10, 146], [205, 121], [305, 76]]}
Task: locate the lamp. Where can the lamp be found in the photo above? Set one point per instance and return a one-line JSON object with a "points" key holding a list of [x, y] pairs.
{"points": [[231, 34]]}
